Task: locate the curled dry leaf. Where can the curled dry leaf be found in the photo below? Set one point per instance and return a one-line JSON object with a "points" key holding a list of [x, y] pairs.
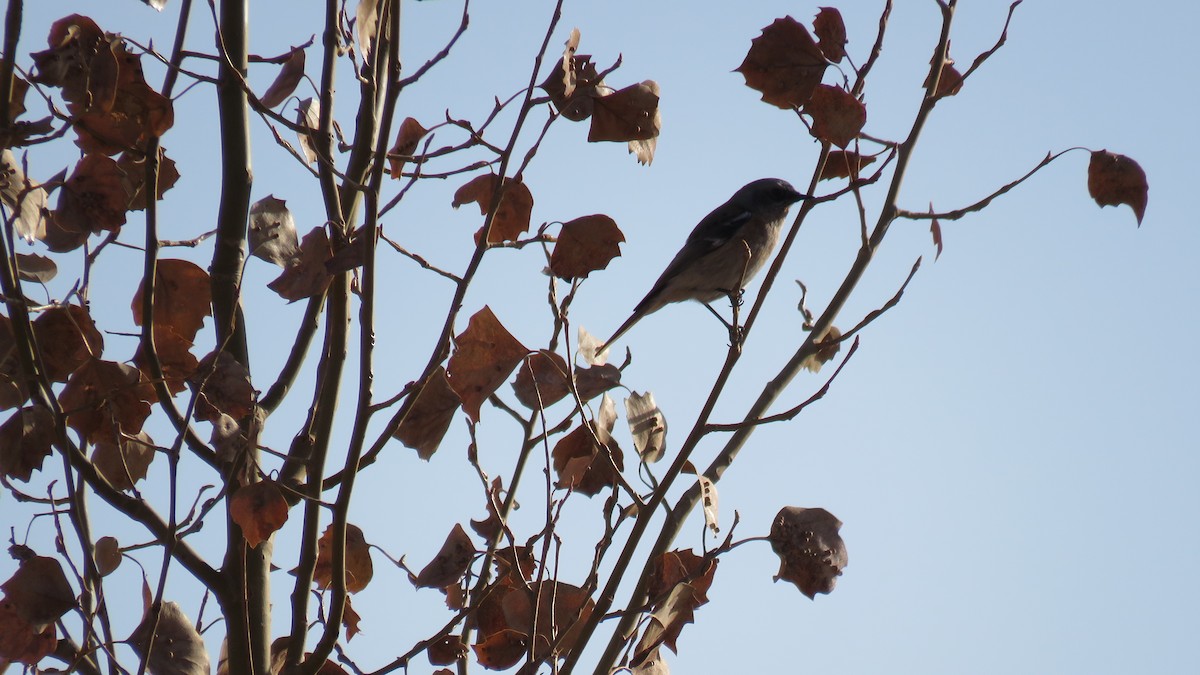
{"points": [[838, 117], [24, 199], [359, 568], [177, 647], [366, 25], [259, 509], [124, 462], [308, 114], [108, 555], [16, 100], [430, 416], [573, 82], [950, 81], [585, 466], [829, 346], [584, 245], [844, 164], [272, 233], [484, 356], [811, 552], [831, 34], [451, 562], [647, 425], [678, 587], [39, 591], [285, 82], [629, 114], [490, 527], [307, 276], [410, 134], [224, 387], [105, 400], [26, 440], [784, 64], [1116, 179], [513, 213], [182, 298]]}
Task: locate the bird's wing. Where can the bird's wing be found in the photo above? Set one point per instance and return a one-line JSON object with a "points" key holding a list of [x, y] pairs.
{"points": [[717, 228]]}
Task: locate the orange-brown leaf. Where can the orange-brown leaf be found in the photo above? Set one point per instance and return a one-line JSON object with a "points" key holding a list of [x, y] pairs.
{"points": [[831, 33], [446, 651], [513, 213], [411, 132], [259, 509], [584, 245], [182, 298], [430, 416], [838, 117], [784, 64], [1116, 179], [483, 357], [546, 612], [359, 568]]}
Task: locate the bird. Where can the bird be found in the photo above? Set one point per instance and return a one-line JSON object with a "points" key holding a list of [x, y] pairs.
{"points": [[723, 252]]}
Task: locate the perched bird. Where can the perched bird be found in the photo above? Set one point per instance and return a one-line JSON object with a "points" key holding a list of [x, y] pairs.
{"points": [[723, 252]]}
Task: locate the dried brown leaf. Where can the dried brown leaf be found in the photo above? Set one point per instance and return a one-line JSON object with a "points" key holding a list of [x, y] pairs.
{"points": [[177, 646], [125, 462], [430, 416], [359, 568], [104, 400], [410, 134], [811, 552], [584, 245], [26, 440], [513, 213], [182, 298], [831, 33], [67, 338], [844, 164], [272, 233], [224, 387], [784, 64], [629, 114], [451, 562], [306, 276], [484, 356], [285, 82], [1116, 179], [838, 117], [259, 509]]}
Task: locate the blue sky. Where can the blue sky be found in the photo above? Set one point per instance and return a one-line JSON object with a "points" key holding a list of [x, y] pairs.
{"points": [[1012, 450]]}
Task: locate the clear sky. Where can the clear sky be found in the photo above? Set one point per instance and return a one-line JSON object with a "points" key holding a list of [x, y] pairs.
{"points": [[1013, 449]]}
